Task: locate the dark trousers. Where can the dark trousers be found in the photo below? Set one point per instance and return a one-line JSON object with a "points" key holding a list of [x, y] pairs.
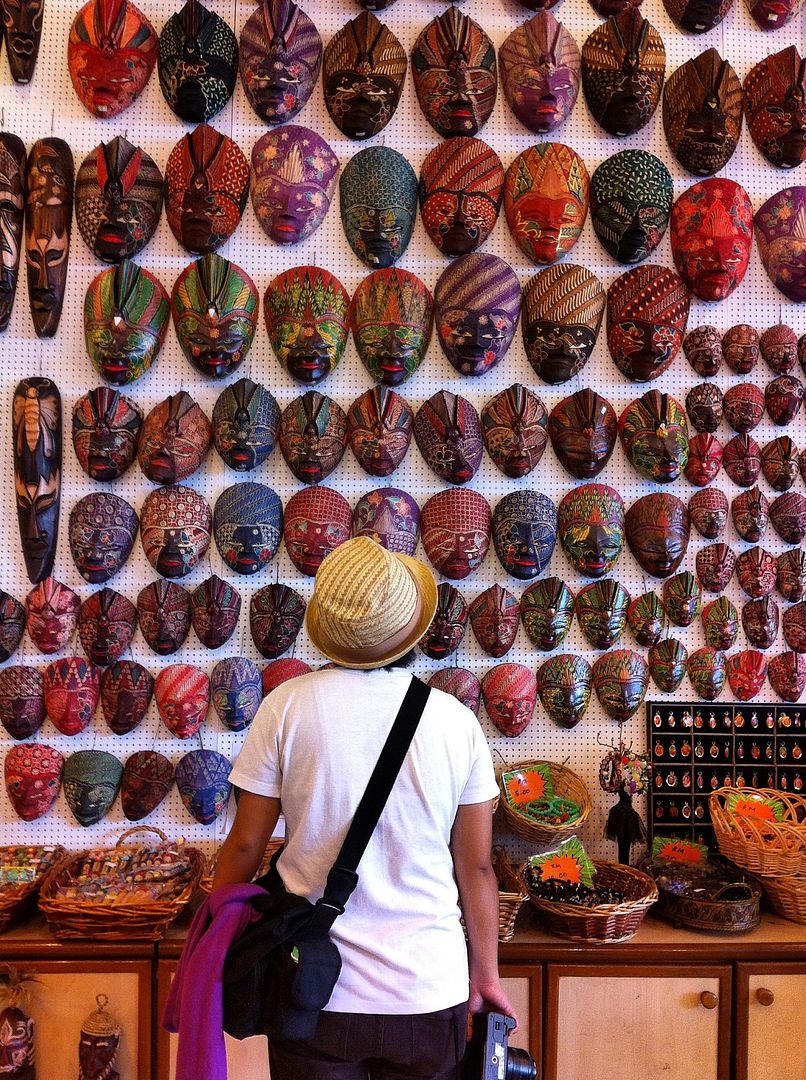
{"points": [[361, 1046]]}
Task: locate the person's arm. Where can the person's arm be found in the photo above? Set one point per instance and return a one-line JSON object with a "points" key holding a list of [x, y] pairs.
{"points": [[243, 849], [471, 846]]}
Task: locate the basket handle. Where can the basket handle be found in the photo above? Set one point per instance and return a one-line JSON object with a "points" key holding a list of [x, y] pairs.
{"points": [[142, 828], [733, 885]]}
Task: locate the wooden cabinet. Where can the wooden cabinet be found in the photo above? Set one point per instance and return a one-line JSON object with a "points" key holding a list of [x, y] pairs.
{"points": [[770, 1019]]}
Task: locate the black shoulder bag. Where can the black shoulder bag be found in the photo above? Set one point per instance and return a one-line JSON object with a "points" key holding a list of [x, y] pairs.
{"points": [[280, 972]]}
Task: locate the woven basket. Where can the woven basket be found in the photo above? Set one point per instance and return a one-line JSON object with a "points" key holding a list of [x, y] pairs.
{"points": [[767, 848], [141, 920], [511, 895], [714, 914], [607, 923], [19, 899], [206, 882], [567, 785], [787, 897]]}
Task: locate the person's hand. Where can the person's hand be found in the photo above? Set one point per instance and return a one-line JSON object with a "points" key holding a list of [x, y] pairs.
{"points": [[490, 997]]}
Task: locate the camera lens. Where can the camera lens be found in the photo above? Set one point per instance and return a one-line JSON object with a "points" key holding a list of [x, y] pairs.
{"points": [[520, 1065]]}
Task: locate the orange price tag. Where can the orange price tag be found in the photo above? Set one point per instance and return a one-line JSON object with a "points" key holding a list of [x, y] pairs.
{"points": [[561, 868], [680, 852], [524, 787], [754, 808]]}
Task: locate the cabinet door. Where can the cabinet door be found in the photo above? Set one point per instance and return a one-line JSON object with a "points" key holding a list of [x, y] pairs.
{"points": [[522, 985], [638, 1021], [769, 1021]]}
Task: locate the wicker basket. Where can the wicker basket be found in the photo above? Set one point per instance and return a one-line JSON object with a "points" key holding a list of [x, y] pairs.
{"points": [[206, 882], [787, 897], [147, 920], [511, 895], [18, 899], [767, 848], [567, 785], [607, 923], [716, 913]]}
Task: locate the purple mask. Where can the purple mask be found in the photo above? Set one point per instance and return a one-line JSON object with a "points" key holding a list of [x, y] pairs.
{"points": [[448, 434], [52, 615], [540, 64], [280, 57], [202, 779], [390, 517], [293, 179], [781, 239], [102, 530], [478, 302], [237, 692]]}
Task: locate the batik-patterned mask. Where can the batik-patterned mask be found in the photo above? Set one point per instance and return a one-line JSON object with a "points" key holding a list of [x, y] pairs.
{"points": [[747, 672], [546, 194], [494, 620], [175, 527], [478, 302], [22, 700], [510, 694], [654, 434], [707, 671], [540, 73], [667, 664], [564, 306], [787, 675], [48, 221], [126, 692], [591, 528], [697, 16], [202, 779], [447, 629], [682, 598], [524, 528], [307, 311], [197, 63], [245, 421], [647, 312], [182, 693], [102, 531], [583, 430], [513, 426], [313, 436], [72, 688], [126, 313], [214, 305], [646, 619], [775, 103], [779, 463], [741, 460], [461, 184], [779, 347], [756, 569], [12, 625], [118, 200], [788, 517], [379, 427], [275, 619], [657, 529], [280, 57], [547, 609], [459, 683], [623, 64], [37, 440], [110, 55], [293, 179], [147, 779], [790, 575], [783, 398], [564, 684], [741, 349], [601, 610], [704, 407], [12, 213], [770, 15], [106, 427], [206, 186], [163, 608], [455, 75], [316, 521], [760, 620], [106, 622], [22, 29], [448, 433], [52, 615], [456, 531], [33, 776], [702, 113], [711, 231], [781, 238], [702, 347], [363, 71], [378, 204], [280, 671], [236, 692], [715, 566], [248, 524], [621, 678], [215, 608], [175, 440], [391, 317], [390, 517], [91, 783], [631, 198], [743, 405], [704, 459], [720, 622]]}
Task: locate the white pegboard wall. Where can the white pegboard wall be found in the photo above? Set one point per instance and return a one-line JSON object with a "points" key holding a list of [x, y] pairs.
{"points": [[49, 106]]}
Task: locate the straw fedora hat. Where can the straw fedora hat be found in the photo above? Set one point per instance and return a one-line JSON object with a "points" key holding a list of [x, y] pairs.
{"points": [[369, 605]]}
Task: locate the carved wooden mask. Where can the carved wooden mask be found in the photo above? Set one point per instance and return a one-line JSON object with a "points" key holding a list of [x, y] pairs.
{"points": [[631, 199], [110, 55], [37, 431], [461, 185], [306, 311], [48, 222], [391, 317], [563, 306], [197, 62], [280, 57], [702, 113], [540, 64], [293, 178], [546, 195], [363, 70], [12, 212], [623, 64]]}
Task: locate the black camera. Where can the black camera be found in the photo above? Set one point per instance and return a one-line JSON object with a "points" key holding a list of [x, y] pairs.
{"points": [[489, 1055]]}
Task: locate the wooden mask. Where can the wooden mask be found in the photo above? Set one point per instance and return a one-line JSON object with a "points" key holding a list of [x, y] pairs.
{"points": [[707, 671], [37, 433], [494, 620], [459, 683], [22, 700], [363, 70], [456, 531], [182, 693], [750, 512], [524, 530], [647, 312], [197, 62], [712, 234], [697, 16], [106, 625], [709, 512], [22, 29], [147, 779], [118, 200], [783, 398], [448, 434], [378, 204], [510, 695], [447, 630], [704, 459], [770, 14], [12, 213], [390, 517], [704, 407], [715, 566], [631, 199], [206, 187], [702, 347], [175, 528], [779, 348], [379, 429], [682, 598], [743, 405], [72, 690], [590, 523], [775, 104], [293, 178], [790, 575], [455, 74], [163, 609], [91, 783], [248, 524], [654, 434], [126, 312], [280, 57], [33, 776], [702, 113], [720, 622], [275, 619], [564, 684], [48, 222], [546, 195], [657, 529], [667, 664], [316, 521], [313, 436], [741, 347], [621, 678], [201, 777], [787, 675], [646, 618], [461, 184], [540, 64], [391, 317], [106, 427], [110, 54], [175, 440], [237, 692], [583, 430], [623, 64], [747, 673], [788, 516], [12, 625], [601, 611], [741, 460], [245, 420], [215, 607], [563, 306], [547, 610], [102, 529], [52, 614], [306, 311], [513, 426]]}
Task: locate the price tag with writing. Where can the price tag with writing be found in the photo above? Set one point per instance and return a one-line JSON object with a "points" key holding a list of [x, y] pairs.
{"points": [[674, 849], [527, 785]]}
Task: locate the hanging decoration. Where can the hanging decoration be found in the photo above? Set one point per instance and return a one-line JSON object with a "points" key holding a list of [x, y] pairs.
{"points": [[625, 773]]}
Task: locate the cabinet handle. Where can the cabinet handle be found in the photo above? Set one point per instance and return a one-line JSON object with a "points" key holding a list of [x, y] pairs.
{"points": [[708, 999], [764, 996]]}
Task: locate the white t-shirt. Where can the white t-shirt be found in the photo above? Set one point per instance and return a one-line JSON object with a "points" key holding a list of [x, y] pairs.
{"points": [[313, 744]]}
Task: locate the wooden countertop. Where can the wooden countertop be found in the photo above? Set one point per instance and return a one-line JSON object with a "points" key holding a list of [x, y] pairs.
{"points": [[32, 940]]}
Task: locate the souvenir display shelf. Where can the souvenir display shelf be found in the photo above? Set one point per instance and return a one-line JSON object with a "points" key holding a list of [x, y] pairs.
{"points": [[49, 106]]}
